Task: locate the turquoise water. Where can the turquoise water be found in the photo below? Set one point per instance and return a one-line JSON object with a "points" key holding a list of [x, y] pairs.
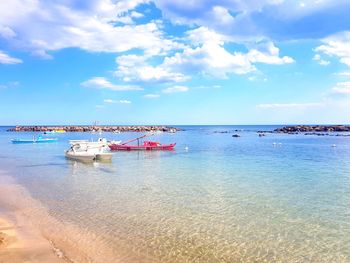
{"points": [[279, 198]]}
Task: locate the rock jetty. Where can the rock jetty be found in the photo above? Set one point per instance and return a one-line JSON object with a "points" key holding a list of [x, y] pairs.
{"points": [[313, 128], [95, 129]]}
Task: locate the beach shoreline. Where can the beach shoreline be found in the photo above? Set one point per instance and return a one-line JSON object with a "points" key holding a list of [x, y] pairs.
{"points": [[30, 233], [20, 240]]}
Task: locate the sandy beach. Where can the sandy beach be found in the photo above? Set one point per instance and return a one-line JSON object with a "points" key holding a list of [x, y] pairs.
{"points": [[28, 233], [21, 243], [20, 240]]}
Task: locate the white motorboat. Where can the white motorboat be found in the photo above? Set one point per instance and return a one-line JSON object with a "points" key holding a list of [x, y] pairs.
{"points": [[80, 155], [84, 150]]}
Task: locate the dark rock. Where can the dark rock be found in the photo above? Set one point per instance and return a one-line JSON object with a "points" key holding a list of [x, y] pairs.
{"points": [[313, 128], [95, 128]]}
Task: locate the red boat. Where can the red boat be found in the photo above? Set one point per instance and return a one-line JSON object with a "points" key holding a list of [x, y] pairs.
{"points": [[146, 146]]}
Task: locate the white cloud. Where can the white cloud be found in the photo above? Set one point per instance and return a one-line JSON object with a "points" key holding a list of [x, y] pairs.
{"points": [[211, 59], [222, 15], [269, 54], [136, 14], [342, 88], [6, 59], [288, 105], [102, 83], [6, 32], [135, 68], [151, 96], [125, 101], [337, 45], [175, 89], [343, 74], [251, 18], [208, 55], [41, 26], [110, 101], [215, 14], [321, 61]]}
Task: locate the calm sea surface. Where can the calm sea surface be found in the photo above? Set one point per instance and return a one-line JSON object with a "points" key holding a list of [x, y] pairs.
{"points": [[215, 198]]}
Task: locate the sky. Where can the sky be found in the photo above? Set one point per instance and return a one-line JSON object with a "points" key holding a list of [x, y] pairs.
{"points": [[174, 62]]}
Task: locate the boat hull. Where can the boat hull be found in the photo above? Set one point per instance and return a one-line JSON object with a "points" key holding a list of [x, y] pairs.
{"points": [[104, 156], [120, 147], [83, 157]]}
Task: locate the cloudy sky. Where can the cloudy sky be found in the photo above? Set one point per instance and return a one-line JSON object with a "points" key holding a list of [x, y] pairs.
{"points": [[174, 62]]}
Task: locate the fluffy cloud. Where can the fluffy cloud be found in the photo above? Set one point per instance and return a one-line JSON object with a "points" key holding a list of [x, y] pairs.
{"points": [[208, 55], [209, 13], [6, 59], [337, 45], [102, 83], [175, 89], [321, 61], [135, 68], [268, 55], [41, 26], [279, 19]]}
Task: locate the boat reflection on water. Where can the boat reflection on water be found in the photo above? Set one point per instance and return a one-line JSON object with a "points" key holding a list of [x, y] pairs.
{"points": [[81, 168]]}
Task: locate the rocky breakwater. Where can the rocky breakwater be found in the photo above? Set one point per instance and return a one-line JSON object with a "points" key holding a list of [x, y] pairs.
{"points": [[95, 129], [313, 128]]}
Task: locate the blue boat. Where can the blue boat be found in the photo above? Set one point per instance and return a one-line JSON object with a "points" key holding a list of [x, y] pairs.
{"points": [[34, 140]]}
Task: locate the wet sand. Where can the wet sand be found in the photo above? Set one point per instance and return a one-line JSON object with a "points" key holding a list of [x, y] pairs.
{"points": [[21, 243], [28, 233], [20, 240]]}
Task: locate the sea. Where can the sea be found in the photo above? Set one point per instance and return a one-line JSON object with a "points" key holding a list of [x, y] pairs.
{"points": [[215, 198]]}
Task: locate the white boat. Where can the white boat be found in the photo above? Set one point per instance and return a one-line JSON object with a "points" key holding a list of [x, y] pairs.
{"points": [[87, 143], [84, 150], [80, 155]]}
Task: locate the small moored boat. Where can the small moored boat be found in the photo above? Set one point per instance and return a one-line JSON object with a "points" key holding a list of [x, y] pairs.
{"points": [[88, 151], [146, 146], [34, 140]]}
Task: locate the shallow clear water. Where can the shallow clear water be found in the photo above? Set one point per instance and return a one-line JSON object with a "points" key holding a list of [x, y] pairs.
{"points": [[224, 199]]}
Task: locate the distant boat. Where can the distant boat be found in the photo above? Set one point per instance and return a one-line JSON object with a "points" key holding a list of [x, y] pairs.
{"points": [[54, 131], [146, 145], [34, 140], [50, 132]]}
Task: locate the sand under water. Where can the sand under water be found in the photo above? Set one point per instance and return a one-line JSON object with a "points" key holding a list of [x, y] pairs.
{"points": [[20, 239], [28, 233], [280, 198]]}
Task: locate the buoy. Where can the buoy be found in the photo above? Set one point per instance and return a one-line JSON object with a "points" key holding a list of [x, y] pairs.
{"points": [[186, 148]]}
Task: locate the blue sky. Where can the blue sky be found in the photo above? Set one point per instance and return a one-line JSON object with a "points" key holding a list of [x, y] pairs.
{"points": [[174, 62]]}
